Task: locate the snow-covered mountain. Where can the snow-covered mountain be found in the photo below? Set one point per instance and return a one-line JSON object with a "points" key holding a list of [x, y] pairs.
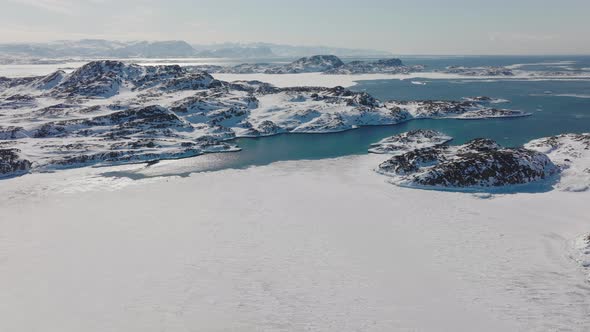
{"points": [[99, 48], [112, 112], [312, 64], [237, 52], [291, 51], [155, 49]]}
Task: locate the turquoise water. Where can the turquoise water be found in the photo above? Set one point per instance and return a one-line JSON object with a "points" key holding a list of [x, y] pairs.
{"points": [[552, 115]]}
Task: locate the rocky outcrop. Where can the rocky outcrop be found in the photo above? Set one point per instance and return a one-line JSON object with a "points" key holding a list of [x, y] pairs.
{"points": [[11, 132], [384, 66], [97, 79], [316, 63], [11, 163], [104, 79], [480, 163], [50, 81], [466, 109], [410, 141]]}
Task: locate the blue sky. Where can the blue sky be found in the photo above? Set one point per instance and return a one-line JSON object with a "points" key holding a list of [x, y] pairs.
{"points": [[402, 27]]}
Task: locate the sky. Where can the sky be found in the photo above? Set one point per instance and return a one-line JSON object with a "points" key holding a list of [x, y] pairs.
{"points": [[400, 27]]}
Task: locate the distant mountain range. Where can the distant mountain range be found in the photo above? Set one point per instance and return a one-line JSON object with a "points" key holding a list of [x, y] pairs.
{"points": [[281, 50], [175, 48]]}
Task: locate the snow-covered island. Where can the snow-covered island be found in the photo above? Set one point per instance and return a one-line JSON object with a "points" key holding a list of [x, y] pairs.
{"points": [[508, 72], [479, 71], [326, 64], [410, 141], [476, 164], [421, 159], [111, 112], [333, 65]]}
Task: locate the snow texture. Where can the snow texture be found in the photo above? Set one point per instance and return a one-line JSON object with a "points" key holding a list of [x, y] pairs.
{"points": [[571, 152], [323, 245]]}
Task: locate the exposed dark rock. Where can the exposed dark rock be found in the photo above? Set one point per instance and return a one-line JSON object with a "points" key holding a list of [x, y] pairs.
{"points": [[328, 64], [11, 132], [265, 128], [105, 79], [316, 63], [479, 71], [409, 141], [11, 162], [479, 163], [383, 66]]}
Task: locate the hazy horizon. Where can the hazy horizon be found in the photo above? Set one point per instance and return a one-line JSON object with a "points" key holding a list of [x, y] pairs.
{"points": [[245, 44], [424, 27]]}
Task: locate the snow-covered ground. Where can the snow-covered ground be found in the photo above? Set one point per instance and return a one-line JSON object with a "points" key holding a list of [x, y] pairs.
{"points": [[323, 245], [572, 154]]}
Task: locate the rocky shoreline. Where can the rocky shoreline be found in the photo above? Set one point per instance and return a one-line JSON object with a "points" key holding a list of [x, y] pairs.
{"points": [[421, 159], [109, 112]]}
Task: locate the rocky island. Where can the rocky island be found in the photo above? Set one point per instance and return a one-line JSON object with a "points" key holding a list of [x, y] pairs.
{"points": [[326, 64], [410, 141], [480, 163], [421, 159], [109, 112], [479, 71]]}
